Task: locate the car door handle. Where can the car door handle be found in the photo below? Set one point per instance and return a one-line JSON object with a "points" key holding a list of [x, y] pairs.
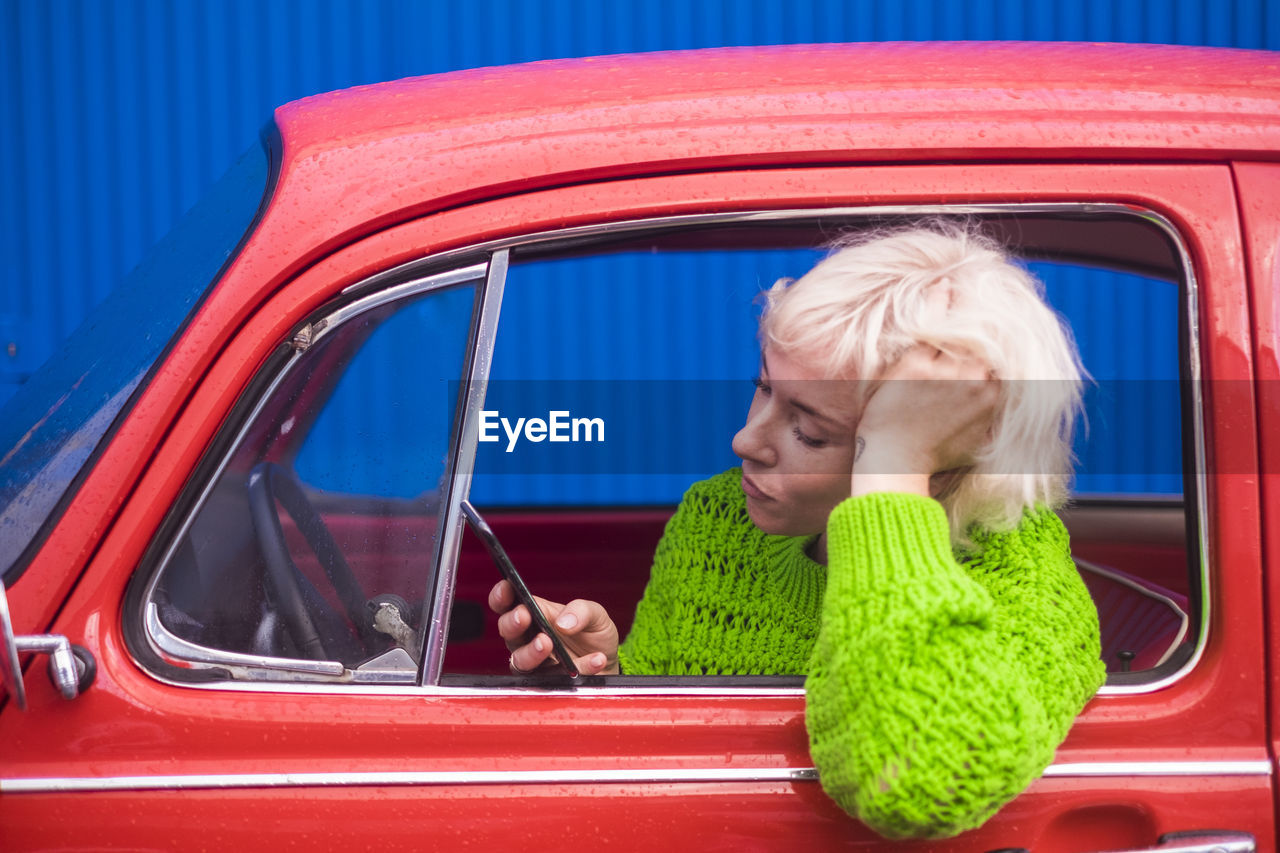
{"points": [[1200, 841]]}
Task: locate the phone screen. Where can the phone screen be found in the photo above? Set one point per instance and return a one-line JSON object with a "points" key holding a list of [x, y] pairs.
{"points": [[482, 529]]}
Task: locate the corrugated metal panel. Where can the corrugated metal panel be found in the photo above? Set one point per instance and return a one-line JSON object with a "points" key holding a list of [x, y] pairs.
{"points": [[637, 320], [1126, 330], [118, 114]]}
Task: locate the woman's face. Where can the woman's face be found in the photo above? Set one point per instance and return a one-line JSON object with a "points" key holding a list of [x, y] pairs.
{"points": [[797, 446]]}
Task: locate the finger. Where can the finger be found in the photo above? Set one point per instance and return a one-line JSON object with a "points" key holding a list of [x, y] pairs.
{"points": [[917, 362], [514, 624], [501, 597], [591, 664], [580, 615], [969, 365], [531, 655], [549, 609]]}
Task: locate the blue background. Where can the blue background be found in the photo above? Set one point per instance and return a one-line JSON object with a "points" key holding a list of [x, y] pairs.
{"points": [[117, 115]]}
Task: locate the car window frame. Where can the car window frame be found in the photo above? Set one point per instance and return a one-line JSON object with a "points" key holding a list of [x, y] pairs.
{"points": [[1178, 666], [484, 330]]}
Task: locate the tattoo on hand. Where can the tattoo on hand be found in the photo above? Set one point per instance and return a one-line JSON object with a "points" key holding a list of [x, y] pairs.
{"points": [[859, 445]]}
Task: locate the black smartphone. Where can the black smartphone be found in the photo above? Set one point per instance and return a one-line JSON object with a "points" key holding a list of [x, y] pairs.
{"points": [[482, 529]]}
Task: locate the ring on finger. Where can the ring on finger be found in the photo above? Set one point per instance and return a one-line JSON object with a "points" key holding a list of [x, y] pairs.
{"points": [[511, 662]]}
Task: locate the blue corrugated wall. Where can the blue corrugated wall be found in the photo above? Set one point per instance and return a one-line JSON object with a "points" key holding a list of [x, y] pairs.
{"points": [[118, 114]]}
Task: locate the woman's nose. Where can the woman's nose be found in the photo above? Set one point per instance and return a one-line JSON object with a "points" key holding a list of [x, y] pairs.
{"points": [[751, 442]]}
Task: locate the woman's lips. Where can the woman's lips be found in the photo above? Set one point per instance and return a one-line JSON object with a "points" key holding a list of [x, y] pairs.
{"points": [[751, 490]]}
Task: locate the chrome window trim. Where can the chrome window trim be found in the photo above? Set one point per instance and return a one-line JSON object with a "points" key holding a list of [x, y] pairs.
{"points": [[79, 784], [1194, 374], [436, 629], [169, 646], [179, 651], [439, 621], [1190, 295]]}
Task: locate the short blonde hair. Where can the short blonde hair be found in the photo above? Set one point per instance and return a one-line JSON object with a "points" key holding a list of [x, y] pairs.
{"points": [[859, 309]]}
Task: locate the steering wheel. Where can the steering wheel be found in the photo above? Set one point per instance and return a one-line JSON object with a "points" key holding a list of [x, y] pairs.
{"points": [[296, 598]]}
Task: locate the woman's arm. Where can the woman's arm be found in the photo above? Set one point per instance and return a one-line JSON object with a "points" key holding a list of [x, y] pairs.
{"points": [[937, 692]]}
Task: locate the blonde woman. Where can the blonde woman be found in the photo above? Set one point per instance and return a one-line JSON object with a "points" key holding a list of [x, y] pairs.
{"points": [[890, 535]]}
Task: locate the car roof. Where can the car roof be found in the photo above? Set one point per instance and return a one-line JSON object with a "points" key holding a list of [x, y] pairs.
{"points": [[397, 149]]}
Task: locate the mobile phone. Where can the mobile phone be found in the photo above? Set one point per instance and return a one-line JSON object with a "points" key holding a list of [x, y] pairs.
{"points": [[482, 529]]}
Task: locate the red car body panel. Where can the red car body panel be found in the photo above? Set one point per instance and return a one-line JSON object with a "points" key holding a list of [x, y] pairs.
{"points": [[1259, 187], [374, 177]]}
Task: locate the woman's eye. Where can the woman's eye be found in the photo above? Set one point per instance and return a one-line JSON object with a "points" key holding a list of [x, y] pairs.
{"points": [[762, 386], [807, 441]]}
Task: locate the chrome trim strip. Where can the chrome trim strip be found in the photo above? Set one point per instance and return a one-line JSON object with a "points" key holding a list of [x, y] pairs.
{"points": [[437, 628], [609, 229], [410, 777], [1261, 767], [158, 636], [70, 784], [391, 294], [668, 688]]}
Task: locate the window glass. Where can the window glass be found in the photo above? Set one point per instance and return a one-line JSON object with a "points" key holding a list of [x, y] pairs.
{"points": [[317, 540], [656, 341]]}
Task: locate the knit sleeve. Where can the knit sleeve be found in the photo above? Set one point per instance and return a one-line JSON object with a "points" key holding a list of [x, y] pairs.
{"points": [[936, 692]]}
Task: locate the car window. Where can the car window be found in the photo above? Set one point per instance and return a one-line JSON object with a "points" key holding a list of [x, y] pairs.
{"points": [[317, 538], [620, 376]]}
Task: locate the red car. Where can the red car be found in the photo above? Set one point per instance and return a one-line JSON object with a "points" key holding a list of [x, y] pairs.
{"points": [[234, 499]]}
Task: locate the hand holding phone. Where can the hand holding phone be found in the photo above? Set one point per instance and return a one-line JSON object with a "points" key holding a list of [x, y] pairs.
{"points": [[560, 655]]}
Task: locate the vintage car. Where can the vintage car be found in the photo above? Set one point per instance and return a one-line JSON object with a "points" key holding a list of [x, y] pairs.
{"points": [[242, 605]]}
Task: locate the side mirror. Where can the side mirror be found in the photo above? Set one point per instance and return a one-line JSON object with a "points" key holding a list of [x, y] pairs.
{"points": [[72, 668]]}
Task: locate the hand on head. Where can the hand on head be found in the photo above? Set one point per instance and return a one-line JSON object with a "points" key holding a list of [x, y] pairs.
{"points": [[930, 412], [584, 627]]}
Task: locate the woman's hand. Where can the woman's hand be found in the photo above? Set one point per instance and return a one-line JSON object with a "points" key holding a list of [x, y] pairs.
{"points": [[930, 413], [584, 627]]}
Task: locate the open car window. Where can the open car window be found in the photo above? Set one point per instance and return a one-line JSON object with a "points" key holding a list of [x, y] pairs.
{"points": [[622, 370]]}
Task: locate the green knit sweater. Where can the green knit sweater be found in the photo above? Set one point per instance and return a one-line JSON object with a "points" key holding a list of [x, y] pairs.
{"points": [[937, 690]]}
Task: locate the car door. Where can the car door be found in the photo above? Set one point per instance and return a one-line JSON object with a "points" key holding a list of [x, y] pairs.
{"points": [[417, 754]]}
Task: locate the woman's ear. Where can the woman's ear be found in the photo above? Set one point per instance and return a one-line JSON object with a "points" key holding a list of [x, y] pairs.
{"points": [[943, 483]]}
